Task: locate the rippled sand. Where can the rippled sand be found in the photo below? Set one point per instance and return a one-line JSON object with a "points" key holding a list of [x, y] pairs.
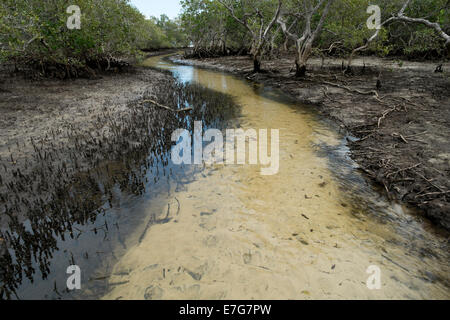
{"points": [[235, 234]]}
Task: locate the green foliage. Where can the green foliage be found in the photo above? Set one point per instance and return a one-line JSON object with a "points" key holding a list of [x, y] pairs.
{"points": [[347, 24], [209, 24], [171, 29], [417, 40], [33, 31]]}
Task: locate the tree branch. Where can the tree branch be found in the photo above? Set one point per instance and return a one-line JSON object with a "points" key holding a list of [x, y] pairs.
{"points": [[400, 17]]}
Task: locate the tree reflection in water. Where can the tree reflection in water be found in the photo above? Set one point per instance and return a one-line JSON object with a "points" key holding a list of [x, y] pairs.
{"points": [[74, 184]]}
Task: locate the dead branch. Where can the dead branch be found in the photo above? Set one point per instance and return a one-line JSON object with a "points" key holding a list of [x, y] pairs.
{"points": [[400, 17], [429, 181], [165, 107], [401, 170], [385, 114], [372, 92]]}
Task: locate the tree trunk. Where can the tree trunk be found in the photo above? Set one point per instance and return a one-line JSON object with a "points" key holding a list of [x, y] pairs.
{"points": [[224, 45], [300, 69], [303, 53], [256, 53], [286, 45], [256, 64]]}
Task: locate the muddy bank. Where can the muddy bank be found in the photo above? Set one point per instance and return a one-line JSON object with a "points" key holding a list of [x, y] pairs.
{"points": [[402, 128], [70, 149], [54, 134]]}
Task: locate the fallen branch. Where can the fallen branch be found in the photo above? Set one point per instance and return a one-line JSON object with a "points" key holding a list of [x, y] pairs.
{"points": [[165, 107], [401, 170], [398, 135], [372, 92], [431, 194], [383, 116], [429, 181]]}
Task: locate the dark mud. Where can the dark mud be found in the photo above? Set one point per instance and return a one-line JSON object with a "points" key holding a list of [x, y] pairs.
{"points": [[401, 127], [68, 147]]}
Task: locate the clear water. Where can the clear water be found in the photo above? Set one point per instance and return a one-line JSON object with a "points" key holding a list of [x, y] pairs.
{"points": [[227, 232]]}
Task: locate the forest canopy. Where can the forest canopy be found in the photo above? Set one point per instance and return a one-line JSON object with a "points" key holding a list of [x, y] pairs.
{"points": [[37, 35], [35, 32], [408, 28]]}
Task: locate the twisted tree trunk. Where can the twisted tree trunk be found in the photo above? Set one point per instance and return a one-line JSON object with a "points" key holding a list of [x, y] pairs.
{"points": [[304, 44], [259, 36]]}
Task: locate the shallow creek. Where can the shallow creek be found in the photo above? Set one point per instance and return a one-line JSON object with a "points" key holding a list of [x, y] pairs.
{"points": [[311, 231], [227, 232]]}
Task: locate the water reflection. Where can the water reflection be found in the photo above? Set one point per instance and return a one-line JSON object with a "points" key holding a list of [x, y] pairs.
{"points": [[141, 228], [310, 231], [75, 206]]}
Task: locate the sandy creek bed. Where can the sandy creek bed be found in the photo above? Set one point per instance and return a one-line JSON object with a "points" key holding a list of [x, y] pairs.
{"points": [[215, 232], [310, 231], [403, 128]]}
